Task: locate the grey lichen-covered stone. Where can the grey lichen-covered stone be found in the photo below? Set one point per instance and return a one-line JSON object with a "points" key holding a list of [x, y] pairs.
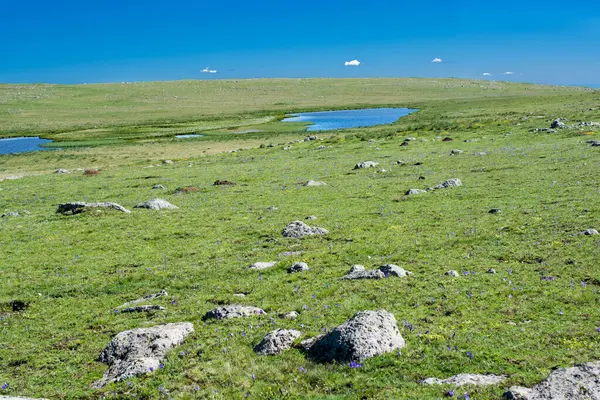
{"points": [[298, 267], [578, 382], [277, 341], [394, 270], [557, 124], [491, 271], [414, 191], [18, 398], [147, 298], [290, 315], [466, 379], [262, 265], [159, 186], [61, 171], [10, 214], [156, 204], [299, 229], [590, 232], [495, 211], [147, 308], [315, 183], [233, 311], [359, 272], [367, 334], [517, 393], [139, 351], [449, 183], [456, 151], [366, 164], [453, 273], [77, 207]]}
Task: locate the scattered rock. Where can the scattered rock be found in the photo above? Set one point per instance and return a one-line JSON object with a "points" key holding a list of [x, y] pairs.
{"points": [[466, 379], [136, 309], [10, 214], [80, 206], [298, 267], [322, 147], [158, 187], [262, 265], [239, 295], [290, 315], [394, 270], [233, 311], [314, 183], [18, 305], [491, 271], [61, 171], [593, 143], [366, 164], [447, 139], [471, 140], [404, 144], [586, 232], [167, 162], [578, 382], [517, 393], [91, 172], [299, 229], [311, 217], [139, 351], [223, 183], [453, 273], [410, 139], [449, 183], [414, 191], [146, 298], [367, 334], [557, 124], [287, 148], [400, 162], [310, 138], [481, 153], [291, 253], [495, 211], [359, 272], [277, 341], [156, 204], [19, 398], [421, 178], [455, 152]]}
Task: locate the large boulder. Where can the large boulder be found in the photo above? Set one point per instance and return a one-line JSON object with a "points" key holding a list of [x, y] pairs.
{"points": [[156, 204], [139, 351], [367, 334], [299, 229], [578, 382], [466, 379], [277, 341], [233, 311], [77, 207]]}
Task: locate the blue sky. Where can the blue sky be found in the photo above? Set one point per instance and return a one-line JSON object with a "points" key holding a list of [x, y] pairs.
{"points": [[66, 41]]}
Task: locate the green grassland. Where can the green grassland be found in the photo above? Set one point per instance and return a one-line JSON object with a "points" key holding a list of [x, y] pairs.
{"points": [[73, 271]]}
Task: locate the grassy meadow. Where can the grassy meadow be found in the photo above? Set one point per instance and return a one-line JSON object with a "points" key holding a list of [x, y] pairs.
{"points": [[541, 310]]}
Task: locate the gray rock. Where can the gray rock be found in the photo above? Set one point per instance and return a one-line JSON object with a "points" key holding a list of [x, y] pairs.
{"points": [[139, 351], [19, 398], [410, 139], [366, 164], [10, 214], [594, 143], [291, 253], [586, 232], [481, 153], [167, 162], [367, 334], [263, 265], [146, 298], [159, 186], [157, 204], [359, 272], [314, 183], [357, 267], [137, 309], [415, 191], [578, 382], [322, 147], [299, 229], [290, 315], [453, 273], [310, 218], [239, 295], [557, 124], [449, 183], [491, 271], [298, 267], [277, 341], [80, 206], [310, 138], [517, 393], [495, 211], [466, 379], [233, 311], [394, 270], [61, 171], [455, 152]]}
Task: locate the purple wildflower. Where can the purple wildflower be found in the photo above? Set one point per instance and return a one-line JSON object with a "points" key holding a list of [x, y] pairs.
{"points": [[5, 386], [355, 365], [470, 355], [450, 393]]}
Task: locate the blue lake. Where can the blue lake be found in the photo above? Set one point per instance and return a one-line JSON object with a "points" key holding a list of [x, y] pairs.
{"points": [[22, 144], [344, 119]]}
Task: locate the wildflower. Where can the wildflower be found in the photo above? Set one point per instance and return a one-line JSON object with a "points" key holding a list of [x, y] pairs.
{"points": [[161, 388], [560, 312], [253, 377], [598, 330], [399, 353], [181, 354], [470, 355], [161, 365], [450, 393], [355, 365], [5, 386], [313, 296], [151, 369], [196, 388]]}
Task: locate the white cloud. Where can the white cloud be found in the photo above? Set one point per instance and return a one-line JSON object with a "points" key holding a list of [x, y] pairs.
{"points": [[353, 63], [207, 70], [508, 73], [487, 74], [437, 60]]}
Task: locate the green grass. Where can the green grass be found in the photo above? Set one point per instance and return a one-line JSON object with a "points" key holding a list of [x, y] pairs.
{"points": [[73, 271]]}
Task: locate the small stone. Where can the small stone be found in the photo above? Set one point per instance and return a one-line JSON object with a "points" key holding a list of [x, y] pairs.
{"points": [[167, 162], [239, 295], [61, 171], [394, 270], [517, 393], [310, 138], [298, 267], [447, 139], [161, 187], [137, 309], [455, 152], [80, 206], [10, 214], [299, 229], [277, 341], [223, 183], [314, 183], [290, 315], [495, 211], [146, 298], [453, 273], [156, 204], [481, 153], [311, 217], [359, 272], [410, 139], [366, 164], [590, 232], [414, 191], [449, 183], [232, 311], [491, 271], [466, 379], [263, 265], [557, 124]]}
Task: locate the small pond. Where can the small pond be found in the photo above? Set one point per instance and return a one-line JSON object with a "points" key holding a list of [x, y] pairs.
{"points": [[22, 145], [344, 119], [189, 136]]}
